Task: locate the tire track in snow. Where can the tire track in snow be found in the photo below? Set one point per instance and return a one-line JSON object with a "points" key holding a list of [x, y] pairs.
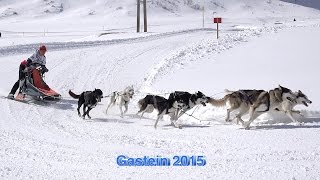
{"points": [[56, 46]]}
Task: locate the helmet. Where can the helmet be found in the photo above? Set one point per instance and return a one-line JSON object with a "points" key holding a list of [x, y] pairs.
{"points": [[42, 47]]}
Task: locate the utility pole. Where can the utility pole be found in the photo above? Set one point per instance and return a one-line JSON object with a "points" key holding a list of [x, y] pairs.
{"points": [[145, 16], [203, 14], [138, 15]]}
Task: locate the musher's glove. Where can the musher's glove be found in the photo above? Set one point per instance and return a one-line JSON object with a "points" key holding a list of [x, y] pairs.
{"points": [[45, 69], [27, 69]]}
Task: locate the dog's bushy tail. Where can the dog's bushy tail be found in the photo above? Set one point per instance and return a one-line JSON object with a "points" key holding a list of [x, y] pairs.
{"points": [[74, 95], [218, 102], [228, 91]]}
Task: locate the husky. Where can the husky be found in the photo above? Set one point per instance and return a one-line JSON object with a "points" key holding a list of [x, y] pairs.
{"points": [[188, 100], [175, 106], [121, 99], [151, 102], [237, 100], [253, 101], [88, 99], [272, 100], [287, 106], [163, 105]]}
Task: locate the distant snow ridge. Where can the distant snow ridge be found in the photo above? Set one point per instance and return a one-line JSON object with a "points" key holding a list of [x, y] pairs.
{"points": [[8, 12], [53, 7], [198, 50], [177, 5]]}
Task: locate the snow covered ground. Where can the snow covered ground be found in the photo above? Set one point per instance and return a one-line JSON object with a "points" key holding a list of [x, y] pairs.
{"points": [[259, 49]]}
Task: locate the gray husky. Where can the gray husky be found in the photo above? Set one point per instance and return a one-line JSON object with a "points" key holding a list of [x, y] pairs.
{"points": [[287, 106], [121, 99], [256, 102]]}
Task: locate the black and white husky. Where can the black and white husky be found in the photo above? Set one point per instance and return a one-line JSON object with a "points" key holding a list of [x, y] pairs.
{"points": [[175, 106], [121, 99], [89, 100]]}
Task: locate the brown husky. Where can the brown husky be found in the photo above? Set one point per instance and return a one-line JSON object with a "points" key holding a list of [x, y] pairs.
{"points": [[256, 102]]}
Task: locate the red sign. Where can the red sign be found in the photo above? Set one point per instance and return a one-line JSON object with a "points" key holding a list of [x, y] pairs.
{"points": [[217, 20]]}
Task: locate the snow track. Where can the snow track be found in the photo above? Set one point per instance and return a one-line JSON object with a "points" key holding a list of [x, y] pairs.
{"points": [[56, 46]]}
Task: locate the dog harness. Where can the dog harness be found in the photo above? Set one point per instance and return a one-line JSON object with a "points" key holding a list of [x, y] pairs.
{"points": [[245, 96]]}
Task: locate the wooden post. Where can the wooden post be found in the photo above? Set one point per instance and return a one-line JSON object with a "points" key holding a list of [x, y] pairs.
{"points": [[217, 20], [138, 15], [217, 30], [203, 14], [145, 16]]}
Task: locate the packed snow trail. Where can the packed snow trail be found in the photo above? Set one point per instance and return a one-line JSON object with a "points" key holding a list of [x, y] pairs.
{"points": [[56, 46]]}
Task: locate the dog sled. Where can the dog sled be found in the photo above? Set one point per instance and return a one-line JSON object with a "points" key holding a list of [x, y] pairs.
{"points": [[34, 86]]}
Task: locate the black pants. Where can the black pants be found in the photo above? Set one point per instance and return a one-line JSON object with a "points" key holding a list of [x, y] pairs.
{"points": [[21, 77]]}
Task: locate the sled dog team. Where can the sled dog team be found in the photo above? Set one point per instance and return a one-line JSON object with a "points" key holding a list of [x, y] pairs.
{"points": [[252, 102]]}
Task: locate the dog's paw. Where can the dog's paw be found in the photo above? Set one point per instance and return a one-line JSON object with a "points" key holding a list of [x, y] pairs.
{"points": [[89, 117], [177, 126], [83, 117], [246, 125]]}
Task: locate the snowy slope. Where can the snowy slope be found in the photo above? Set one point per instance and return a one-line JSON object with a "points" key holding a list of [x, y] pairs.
{"points": [[42, 8], [84, 18], [50, 141]]}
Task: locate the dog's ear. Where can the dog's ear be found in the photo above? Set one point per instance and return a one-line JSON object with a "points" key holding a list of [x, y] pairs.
{"points": [[278, 95], [299, 92], [280, 87], [199, 92]]}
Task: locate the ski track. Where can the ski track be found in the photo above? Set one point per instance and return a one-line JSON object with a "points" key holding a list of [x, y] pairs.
{"points": [[56, 46], [111, 66]]}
